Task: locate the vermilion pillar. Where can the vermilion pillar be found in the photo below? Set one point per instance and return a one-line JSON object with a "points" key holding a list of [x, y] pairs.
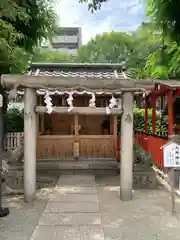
{"points": [[153, 114], [170, 113], [146, 116]]}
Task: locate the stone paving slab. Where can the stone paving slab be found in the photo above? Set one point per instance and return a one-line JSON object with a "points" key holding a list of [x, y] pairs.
{"points": [[140, 233], [53, 219], [83, 207], [79, 177], [74, 198], [76, 180], [75, 189], [147, 217], [68, 233], [66, 183]]}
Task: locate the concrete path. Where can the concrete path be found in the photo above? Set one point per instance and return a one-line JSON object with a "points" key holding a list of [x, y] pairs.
{"points": [[73, 212], [84, 208], [81, 209]]}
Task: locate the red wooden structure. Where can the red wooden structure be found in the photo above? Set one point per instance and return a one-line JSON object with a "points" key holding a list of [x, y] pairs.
{"points": [[153, 142]]}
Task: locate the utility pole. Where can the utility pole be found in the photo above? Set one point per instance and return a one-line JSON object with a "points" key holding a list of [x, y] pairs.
{"points": [[3, 211]]}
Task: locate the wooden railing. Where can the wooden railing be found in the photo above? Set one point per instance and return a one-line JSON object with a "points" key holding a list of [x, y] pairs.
{"points": [[54, 147], [97, 146], [12, 140], [61, 147]]}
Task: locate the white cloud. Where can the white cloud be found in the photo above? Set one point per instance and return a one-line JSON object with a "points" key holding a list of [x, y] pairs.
{"points": [[113, 15]]}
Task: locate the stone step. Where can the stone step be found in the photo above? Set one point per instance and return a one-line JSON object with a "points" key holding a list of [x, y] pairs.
{"points": [[71, 165], [78, 165]]}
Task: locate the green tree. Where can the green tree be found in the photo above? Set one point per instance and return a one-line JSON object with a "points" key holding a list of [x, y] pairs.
{"points": [[119, 47], [167, 15], [41, 55], [110, 47], [22, 25], [149, 51]]}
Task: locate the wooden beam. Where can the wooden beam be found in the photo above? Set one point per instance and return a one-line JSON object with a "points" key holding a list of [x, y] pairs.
{"points": [[41, 116], [115, 132], [65, 83], [76, 126], [76, 133], [79, 110]]}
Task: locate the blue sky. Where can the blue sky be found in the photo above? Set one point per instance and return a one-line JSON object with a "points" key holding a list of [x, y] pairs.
{"points": [[115, 15]]}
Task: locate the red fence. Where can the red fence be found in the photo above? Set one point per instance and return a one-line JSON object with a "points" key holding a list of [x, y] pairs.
{"points": [[152, 144]]}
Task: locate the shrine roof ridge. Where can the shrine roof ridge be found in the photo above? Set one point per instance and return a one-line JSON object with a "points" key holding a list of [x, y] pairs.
{"points": [[169, 83], [94, 66], [82, 70]]}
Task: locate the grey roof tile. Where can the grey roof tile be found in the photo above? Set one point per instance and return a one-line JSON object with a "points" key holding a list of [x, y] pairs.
{"points": [[74, 74]]}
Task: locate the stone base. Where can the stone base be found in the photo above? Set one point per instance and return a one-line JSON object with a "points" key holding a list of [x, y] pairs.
{"points": [[145, 180], [15, 181]]}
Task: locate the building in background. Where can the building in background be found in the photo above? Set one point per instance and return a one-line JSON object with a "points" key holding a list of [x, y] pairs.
{"points": [[68, 39]]}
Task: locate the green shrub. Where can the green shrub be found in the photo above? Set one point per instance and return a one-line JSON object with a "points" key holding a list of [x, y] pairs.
{"points": [[161, 124], [14, 120]]}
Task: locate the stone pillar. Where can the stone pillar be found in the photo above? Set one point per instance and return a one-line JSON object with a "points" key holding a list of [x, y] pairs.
{"points": [[126, 166], [30, 135]]}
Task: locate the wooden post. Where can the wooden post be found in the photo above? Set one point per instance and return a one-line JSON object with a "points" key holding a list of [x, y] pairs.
{"points": [[146, 117], [153, 114], [29, 145], [41, 116], [170, 114], [115, 132], [76, 125], [126, 168], [76, 133], [37, 124]]}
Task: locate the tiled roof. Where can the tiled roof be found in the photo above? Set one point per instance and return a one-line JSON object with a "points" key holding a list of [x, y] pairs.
{"points": [[80, 74], [169, 83], [78, 70]]}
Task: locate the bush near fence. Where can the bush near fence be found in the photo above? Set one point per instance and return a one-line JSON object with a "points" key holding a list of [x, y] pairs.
{"points": [[14, 120], [161, 124]]}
